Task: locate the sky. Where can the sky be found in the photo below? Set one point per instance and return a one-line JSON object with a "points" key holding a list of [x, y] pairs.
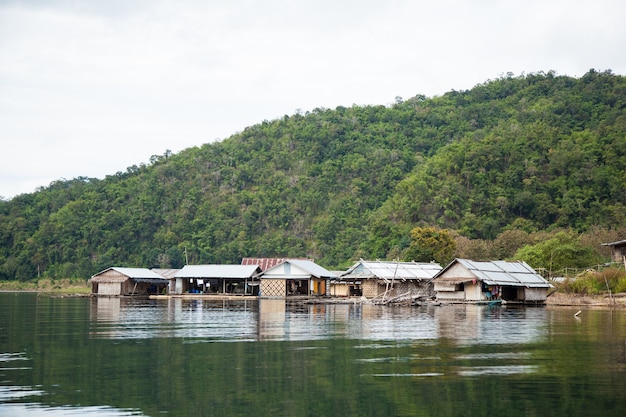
{"points": [[89, 88]]}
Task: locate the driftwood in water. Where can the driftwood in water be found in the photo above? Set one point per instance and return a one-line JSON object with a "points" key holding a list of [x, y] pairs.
{"points": [[406, 295]]}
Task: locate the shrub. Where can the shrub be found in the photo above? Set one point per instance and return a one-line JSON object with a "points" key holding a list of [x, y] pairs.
{"points": [[597, 282]]}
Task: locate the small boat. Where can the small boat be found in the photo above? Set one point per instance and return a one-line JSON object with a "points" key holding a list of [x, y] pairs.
{"points": [[489, 302]]}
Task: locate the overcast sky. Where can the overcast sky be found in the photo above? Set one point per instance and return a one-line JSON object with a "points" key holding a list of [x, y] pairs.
{"points": [[91, 87]]}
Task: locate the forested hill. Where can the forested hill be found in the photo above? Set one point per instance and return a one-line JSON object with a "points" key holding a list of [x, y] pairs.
{"points": [[532, 152]]}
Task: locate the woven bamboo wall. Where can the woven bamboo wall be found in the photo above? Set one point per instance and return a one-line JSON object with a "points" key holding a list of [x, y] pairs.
{"points": [[273, 288], [370, 288]]}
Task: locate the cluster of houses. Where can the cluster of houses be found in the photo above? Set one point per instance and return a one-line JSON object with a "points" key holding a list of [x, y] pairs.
{"points": [[462, 280]]}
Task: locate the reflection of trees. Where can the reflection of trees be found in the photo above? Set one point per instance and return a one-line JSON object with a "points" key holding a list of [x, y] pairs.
{"points": [[580, 364]]}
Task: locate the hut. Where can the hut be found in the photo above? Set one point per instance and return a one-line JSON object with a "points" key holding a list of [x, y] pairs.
{"points": [[373, 279], [218, 279], [618, 250], [295, 277], [464, 280], [128, 281]]}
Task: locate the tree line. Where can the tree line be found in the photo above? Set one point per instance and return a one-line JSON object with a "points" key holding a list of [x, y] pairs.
{"points": [[511, 162]]}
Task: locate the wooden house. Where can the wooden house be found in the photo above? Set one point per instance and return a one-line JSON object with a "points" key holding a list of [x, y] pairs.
{"points": [[295, 277], [618, 250], [218, 279], [128, 281], [464, 280], [373, 279]]}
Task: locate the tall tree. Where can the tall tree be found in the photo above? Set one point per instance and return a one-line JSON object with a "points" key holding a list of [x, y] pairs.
{"points": [[430, 244]]}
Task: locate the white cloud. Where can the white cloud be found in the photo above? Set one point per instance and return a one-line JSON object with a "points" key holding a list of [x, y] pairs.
{"points": [[89, 88]]}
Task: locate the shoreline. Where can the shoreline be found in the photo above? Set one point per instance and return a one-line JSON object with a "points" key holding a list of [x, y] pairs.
{"points": [[581, 300], [556, 299]]}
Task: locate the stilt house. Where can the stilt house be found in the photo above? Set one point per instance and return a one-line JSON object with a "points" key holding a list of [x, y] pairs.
{"points": [[464, 280], [295, 277], [213, 279], [128, 281], [373, 279], [618, 250]]}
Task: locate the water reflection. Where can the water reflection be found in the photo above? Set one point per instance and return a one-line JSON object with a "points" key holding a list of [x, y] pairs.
{"points": [[474, 324], [182, 357], [38, 409], [18, 401], [119, 318], [269, 319]]}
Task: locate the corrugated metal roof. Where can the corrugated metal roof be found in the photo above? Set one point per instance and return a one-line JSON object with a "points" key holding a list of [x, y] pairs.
{"points": [[267, 263], [619, 242], [388, 270], [309, 267], [134, 273], [166, 273], [517, 273], [218, 271]]}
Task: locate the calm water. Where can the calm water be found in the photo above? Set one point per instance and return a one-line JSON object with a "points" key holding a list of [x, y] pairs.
{"points": [[120, 357]]}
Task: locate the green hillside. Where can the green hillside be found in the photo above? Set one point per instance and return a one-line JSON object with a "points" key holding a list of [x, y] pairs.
{"points": [[529, 153]]}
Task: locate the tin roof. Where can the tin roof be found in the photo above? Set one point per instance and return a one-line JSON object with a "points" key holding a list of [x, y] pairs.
{"points": [[389, 270], [218, 271], [266, 263], [136, 274], [132, 272], [505, 273], [166, 273], [618, 243], [309, 267]]}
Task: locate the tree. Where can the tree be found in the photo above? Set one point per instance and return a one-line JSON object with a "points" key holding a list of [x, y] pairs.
{"points": [[430, 244], [564, 250]]}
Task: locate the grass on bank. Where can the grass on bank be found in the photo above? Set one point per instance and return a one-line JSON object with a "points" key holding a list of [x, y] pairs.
{"points": [[53, 286], [610, 280]]}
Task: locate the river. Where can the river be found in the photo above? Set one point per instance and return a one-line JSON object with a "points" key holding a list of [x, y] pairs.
{"points": [[180, 357]]}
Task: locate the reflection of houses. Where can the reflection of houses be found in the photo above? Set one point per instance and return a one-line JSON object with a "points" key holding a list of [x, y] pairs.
{"points": [[272, 316], [471, 281], [213, 279], [618, 250], [127, 281], [375, 278], [105, 309], [295, 277]]}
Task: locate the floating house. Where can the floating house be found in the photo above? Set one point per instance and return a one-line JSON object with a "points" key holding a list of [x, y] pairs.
{"points": [[373, 279], [295, 277], [618, 250], [128, 281], [464, 280], [218, 279]]}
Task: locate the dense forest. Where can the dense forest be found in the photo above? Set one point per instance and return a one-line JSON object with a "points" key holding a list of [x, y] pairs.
{"points": [[499, 166]]}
